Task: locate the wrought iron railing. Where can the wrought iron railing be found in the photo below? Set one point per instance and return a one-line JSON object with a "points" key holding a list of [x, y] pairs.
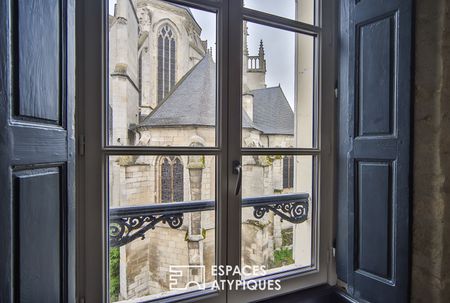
{"points": [[127, 224]]}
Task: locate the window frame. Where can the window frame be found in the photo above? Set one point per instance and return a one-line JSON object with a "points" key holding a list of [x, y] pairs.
{"points": [[323, 269], [92, 178]]}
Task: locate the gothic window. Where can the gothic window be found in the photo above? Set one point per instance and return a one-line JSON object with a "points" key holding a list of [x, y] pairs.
{"points": [[288, 172], [166, 61], [172, 187], [140, 77]]}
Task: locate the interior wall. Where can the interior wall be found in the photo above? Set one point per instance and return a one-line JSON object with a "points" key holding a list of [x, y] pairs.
{"points": [[431, 195]]}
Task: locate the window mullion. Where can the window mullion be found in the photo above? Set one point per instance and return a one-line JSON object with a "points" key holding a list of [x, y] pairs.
{"points": [[235, 38]]}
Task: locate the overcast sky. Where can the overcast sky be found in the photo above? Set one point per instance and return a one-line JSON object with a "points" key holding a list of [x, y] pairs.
{"points": [[279, 45]]}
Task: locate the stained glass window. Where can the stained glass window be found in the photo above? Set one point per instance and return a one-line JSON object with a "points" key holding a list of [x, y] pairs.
{"points": [[166, 61], [172, 187]]}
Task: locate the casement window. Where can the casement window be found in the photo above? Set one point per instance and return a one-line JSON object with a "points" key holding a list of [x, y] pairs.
{"points": [[221, 197], [257, 153], [178, 188]]}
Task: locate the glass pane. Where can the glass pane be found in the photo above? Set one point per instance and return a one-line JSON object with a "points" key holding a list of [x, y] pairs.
{"points": [[278, 88], [277, 212], [162, 75], [300, 10], [161, 225]]}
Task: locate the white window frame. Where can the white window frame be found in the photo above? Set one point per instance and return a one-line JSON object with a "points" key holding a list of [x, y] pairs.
{"points": [[91, 132]]}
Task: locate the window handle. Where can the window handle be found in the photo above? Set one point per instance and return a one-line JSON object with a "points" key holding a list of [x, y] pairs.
{"points": [[237, 170]]}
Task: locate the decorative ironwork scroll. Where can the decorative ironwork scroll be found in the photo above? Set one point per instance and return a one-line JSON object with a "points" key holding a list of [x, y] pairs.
{"points": [[127, 224], [127, 229], [294, 212]]}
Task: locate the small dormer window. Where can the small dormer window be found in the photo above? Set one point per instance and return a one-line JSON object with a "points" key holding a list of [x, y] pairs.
{"points": [[166, 61]]}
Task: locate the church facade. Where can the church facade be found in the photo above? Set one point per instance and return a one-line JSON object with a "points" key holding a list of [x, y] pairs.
{"points": [[162, 92]]}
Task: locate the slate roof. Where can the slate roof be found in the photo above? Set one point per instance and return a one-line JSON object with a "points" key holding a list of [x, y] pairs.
{"points": [[193, 102], [272, 112]]}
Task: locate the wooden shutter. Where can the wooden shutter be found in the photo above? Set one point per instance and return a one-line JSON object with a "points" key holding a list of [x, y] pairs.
{"points": [[37, 207], [375, 109]]}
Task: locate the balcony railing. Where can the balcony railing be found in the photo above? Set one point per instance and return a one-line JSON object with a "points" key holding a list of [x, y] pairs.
{"points": [[127, 224]]}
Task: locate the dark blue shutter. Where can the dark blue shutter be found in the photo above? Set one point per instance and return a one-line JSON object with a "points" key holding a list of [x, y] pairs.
{"points": [[37, 151], [374, 152]]}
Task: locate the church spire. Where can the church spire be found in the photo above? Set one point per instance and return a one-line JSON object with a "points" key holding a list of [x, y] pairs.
{"points": [[261, 49], [262, 60]]}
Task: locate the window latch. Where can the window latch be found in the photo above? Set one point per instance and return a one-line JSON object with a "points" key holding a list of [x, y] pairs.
{"points": [[237, 170]]}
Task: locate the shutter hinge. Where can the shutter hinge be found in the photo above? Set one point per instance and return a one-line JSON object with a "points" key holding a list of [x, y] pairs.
{"points": [[81, 145], [336, 93]]}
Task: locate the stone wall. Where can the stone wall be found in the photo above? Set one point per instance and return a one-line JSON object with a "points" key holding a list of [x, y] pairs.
{"points": [[137, 180], [431, 196], [146, 263]]}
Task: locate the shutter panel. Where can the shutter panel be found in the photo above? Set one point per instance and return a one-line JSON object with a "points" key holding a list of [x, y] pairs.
{"points": [[37, 150], [373, 232]]}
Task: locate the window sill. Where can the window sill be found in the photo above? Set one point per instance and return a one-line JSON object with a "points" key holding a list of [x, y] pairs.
{"points": [[319, 294]]}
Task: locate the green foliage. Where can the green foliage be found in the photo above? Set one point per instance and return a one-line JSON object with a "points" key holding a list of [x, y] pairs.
{"points": [[257, 223], [114, 274], [282, 257], [186, 235], [268, 160]]}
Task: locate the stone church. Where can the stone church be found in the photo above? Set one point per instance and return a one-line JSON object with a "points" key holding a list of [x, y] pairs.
{"points": [[162, 92]]}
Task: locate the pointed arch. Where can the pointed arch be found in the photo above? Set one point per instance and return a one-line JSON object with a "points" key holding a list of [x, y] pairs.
{"points": [[171, 178]]}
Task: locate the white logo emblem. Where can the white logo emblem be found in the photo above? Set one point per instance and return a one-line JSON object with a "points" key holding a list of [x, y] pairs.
{"points": [[183, 277]]}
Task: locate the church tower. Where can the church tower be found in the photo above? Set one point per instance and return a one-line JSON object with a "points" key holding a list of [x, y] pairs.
{"points": [[255, 67], [253, 73]]}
